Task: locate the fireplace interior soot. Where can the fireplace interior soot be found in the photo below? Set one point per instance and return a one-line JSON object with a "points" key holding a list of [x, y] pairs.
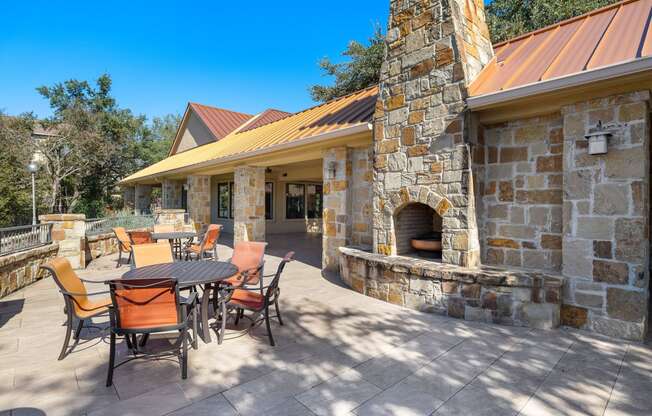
{"points": [[418, 231]]}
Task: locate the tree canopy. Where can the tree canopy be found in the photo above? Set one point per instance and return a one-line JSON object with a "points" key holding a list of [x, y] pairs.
{"points": [[506, 19], [94, 143]]}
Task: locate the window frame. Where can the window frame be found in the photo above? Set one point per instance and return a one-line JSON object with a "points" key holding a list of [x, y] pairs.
{"points": [[227, 215], [271, 201]]}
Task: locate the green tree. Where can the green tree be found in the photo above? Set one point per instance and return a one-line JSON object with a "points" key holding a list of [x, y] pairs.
{"points": [[95, 145], [511, 18], [156, 146], [361, 70]]}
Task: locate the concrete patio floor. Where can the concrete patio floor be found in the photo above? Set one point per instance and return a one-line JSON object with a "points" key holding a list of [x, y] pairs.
{"points": [[340, 353]]}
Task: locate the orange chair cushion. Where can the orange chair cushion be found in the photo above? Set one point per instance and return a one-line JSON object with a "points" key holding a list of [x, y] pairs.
{"points": [[90, 308], [146, 307], [248, 299]]}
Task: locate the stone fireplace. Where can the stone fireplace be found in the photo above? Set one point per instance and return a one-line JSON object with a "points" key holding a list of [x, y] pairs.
{"points": [[417, 222], [422, 127]]}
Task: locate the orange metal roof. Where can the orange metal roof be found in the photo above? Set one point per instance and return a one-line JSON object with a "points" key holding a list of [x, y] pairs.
{"points": [[220, 122], [603, 37], [346, 112], [266, 117]]}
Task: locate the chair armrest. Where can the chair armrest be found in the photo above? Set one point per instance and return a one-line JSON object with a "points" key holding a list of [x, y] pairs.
{"points": [[65, 292], [92, 281]]}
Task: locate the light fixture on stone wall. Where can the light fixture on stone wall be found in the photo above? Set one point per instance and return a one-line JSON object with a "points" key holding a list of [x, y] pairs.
{"points": [[598, 140], [332, 169]]}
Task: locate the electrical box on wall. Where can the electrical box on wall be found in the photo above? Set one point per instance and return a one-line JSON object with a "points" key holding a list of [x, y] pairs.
{"points": [[598, 140]]}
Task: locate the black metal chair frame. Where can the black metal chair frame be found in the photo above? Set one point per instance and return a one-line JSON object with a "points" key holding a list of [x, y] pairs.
{"points": [[221, 296], [186, 311], [69, 310], [271, 297]]}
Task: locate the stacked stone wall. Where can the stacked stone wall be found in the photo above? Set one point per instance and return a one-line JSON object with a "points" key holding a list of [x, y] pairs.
{"points": [[21, 269], [171, 193], [199, 198], [249, 204], [361, 203], [522, 194], [606, 216]]}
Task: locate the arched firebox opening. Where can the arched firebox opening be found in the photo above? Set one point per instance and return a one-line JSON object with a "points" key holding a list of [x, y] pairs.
{"points": [[418, 231]]}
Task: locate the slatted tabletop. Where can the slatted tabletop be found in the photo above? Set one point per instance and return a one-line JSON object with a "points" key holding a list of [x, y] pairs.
{"points": [[187, 273], [176, 235]]}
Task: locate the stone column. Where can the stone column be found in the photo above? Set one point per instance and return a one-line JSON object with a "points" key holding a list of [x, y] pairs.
{"points": [[199, 198], [171, 191], [129, 197], [249, 204], [337, 205], [143, 199], [605, 245], [69, 230]]}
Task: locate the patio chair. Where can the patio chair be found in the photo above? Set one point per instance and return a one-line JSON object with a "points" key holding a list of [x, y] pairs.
{"points": [[150, 254], [149, 306], [248, 256], [78, 304], [140, 237], [259, 304], [207, 246], [124, 244]]}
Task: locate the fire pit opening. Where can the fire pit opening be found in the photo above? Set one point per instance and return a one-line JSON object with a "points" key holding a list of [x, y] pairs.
{"points": [[418, 231]]}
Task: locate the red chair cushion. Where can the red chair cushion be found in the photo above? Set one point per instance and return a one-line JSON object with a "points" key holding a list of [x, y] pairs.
{"points": [[248, 299]]}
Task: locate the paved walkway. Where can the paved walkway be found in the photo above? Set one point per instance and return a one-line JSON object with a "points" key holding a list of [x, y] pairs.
{"points": [[339, 353]]}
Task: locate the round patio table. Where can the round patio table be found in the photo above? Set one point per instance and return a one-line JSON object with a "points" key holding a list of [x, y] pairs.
{"points": [[188, 275], [174, 236]]}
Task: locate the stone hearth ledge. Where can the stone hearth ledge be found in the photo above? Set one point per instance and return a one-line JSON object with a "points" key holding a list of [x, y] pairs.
{"points": [[489, 294]]}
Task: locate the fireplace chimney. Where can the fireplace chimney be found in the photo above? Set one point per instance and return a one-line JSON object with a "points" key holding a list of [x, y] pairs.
{"points": [[434, 49]]}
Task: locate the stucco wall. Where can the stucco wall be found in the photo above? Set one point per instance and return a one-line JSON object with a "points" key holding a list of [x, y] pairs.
{"points": [[195, 134]]}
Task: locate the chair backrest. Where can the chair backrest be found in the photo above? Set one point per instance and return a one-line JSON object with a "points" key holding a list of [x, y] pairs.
{"points": [[145, 303], [248, 256], [164, 228], [67, 280], [272, 289], [140, 237], [211, 236], [149, 254], [123, 238]]}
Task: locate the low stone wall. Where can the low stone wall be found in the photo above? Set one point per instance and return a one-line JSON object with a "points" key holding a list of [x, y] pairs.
{"points": [[100, 245], [488, 294], [21, 269]]}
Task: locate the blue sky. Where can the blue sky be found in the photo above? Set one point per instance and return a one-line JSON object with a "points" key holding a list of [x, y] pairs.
{"points": [[245, 56]]}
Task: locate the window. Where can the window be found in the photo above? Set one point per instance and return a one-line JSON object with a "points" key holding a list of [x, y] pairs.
{"points": [[223, 200], [184, 197], [295, 204], [231, 203], [314, 201], [269, 200]]}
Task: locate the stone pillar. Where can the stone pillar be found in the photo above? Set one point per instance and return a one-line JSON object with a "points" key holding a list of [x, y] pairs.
{"points": [[171, 191], [143, 199], [337, 205], [199, 199], [129, 197], [69, 230], [422, 128], [606, 207], [249, 204]]}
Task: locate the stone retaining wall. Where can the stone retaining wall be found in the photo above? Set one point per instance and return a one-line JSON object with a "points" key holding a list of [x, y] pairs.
{"points": [[21, 269], [488, 294], [100, 245]]}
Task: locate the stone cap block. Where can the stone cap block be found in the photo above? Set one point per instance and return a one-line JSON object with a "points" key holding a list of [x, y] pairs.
{"points": [[62, 217]]}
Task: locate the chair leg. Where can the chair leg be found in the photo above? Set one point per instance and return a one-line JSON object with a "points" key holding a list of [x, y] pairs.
{"points": [[184, 355], [269, 327], [237, 316], [129, 258], [220, 336], [66, 339], [144, 339], [119, 259], [128, 341], [195, 334], [278, 312], [80, 325], [109, 377]]}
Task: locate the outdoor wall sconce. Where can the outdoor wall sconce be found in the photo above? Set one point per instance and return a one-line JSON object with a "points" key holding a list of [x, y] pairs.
{"points": [[332, 169], [598, 140]]}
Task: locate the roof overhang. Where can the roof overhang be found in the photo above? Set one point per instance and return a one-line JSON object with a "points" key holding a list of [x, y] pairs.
{"points": [[501, 98], [302, 149]]}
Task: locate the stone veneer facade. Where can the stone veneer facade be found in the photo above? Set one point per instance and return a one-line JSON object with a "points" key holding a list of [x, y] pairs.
{"points": [[606, 216], [171, 194], [422, 128], [249, 203]]}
